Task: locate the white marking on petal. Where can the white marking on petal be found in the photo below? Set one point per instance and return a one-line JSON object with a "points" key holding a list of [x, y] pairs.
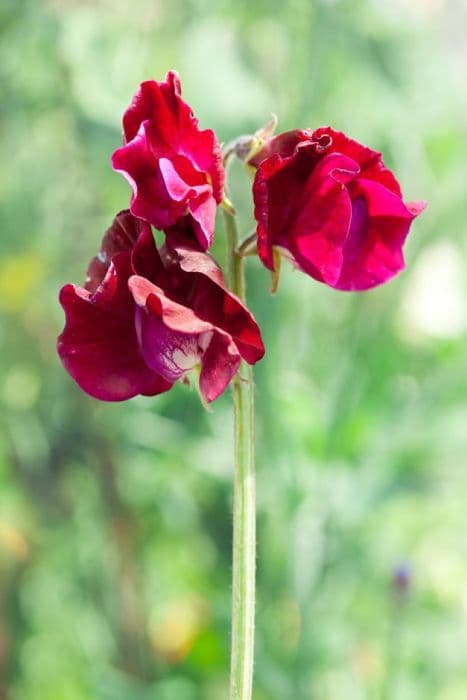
{"points": [[184, 361], [204, 340]]}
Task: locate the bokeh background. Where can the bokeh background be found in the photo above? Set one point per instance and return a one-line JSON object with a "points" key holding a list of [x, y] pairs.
{"points": [[115, 520]]}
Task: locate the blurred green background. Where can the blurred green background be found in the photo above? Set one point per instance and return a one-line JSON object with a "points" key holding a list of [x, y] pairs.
{"points": [[115, 520]]}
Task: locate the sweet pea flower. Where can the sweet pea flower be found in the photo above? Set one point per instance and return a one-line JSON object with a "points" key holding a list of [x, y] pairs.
{"points": [[147, 317], [175, 169], [330, 205]]}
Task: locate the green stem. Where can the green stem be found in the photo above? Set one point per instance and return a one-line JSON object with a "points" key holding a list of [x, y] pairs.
{"points": [[248, 246], [244, 501]]}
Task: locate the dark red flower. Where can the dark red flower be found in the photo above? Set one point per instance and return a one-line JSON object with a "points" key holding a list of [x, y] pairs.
{"points": [[174, 168], [148, 317], [330, 205]]}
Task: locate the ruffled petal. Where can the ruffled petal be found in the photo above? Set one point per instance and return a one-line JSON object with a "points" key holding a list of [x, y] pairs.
{"points": [[161, 102], [213, 302], [140, 167], [370, 161], [373, 253], [174, 340], [203, 210], [274, 194], [221, 361], [99, 347], [165, 155]]}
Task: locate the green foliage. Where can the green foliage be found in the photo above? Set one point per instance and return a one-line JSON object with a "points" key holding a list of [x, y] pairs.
{"points": [[115, 524]]}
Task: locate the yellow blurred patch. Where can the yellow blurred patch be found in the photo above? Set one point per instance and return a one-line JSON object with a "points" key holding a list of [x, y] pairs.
{"points": [[367, 661], [19, 277], [13, 542], [290, 620], [175, 628]]}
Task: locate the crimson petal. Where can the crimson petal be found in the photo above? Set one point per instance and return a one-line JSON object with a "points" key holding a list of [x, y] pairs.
{"points": [[99, 347]]}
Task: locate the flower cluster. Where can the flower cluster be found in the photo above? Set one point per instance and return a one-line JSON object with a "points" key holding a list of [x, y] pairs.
{"points": [[148, 316]]}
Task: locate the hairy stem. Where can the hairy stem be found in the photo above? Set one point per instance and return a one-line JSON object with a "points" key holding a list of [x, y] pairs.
{"points": [[244, 501]]}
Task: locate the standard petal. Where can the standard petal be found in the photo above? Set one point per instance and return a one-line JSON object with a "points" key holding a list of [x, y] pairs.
{"points": [[159, 102], [99, 349]]}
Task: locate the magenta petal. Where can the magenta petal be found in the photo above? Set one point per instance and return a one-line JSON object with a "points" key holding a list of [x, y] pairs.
{"points": [[219, 364], [169, 353], [175, 316], [167, 159], [380, 223], [373, 252], [340, 143], [214, 303], [381, 201], [159, 101], [176, 187], [100, 350], [198, 198], [176, 129], [284, 145], [206, 153], [240, 323], [320, 236], [273, 194], [322, 224], [337, 167], [203, 211], [179, 189], [150, 200], [174, 340]]}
